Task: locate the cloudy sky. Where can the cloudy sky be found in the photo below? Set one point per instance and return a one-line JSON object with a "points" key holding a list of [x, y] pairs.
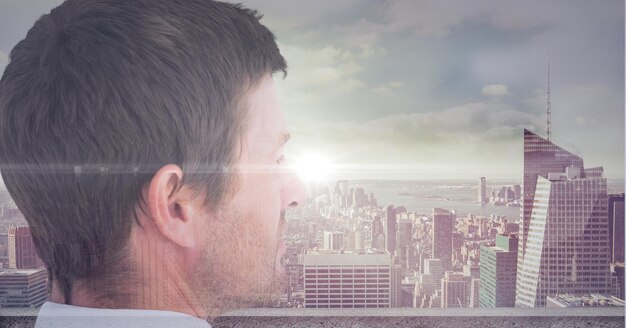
{"points": [[410, 89]]}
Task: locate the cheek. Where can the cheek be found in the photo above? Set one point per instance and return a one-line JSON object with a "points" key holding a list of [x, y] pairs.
{"points": [[264, 198]]}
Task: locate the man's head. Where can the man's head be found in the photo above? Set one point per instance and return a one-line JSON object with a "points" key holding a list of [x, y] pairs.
{"points": [[133, 123]]}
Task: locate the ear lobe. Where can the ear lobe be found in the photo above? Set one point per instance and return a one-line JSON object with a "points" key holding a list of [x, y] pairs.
{"points": [[170, 210]]}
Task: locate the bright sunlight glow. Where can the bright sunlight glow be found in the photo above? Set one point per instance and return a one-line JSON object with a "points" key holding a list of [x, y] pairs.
{"points": [[313, 167]]}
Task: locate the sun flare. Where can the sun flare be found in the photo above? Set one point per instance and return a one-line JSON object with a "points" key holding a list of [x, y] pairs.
{"points": [[313, 167]]}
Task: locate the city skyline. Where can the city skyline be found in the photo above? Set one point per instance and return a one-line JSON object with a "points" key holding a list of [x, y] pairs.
{"points": [[347, 248], [415, 90], [442, 155]]}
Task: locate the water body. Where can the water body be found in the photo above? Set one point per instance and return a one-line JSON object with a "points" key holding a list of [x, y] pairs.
{"points": [[459, 195]]}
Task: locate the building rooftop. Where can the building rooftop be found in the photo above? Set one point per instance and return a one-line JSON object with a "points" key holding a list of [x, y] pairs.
{"points": [[26, 272], [346, 258], [568, 300]]}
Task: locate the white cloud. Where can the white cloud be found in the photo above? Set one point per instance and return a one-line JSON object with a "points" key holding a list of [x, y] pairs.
{"points": [[319, 67], [388, 86], [321, 81], [428, 18], [480, 135], [495, 90]]}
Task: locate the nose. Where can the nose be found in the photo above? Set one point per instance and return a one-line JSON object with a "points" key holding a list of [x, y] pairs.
{"points": [[294, 192]]}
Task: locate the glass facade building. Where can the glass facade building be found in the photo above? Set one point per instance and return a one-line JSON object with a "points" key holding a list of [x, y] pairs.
{"points": [[453, 290], [498, 269], [565, 242], [616, 227], [441, 236]]}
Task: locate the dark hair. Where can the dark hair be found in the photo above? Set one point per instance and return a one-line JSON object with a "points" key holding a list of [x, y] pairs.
{"points": [[100, 95]]}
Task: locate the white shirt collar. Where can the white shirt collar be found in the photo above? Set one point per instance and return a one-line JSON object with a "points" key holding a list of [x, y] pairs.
{"points": [[70, 316]]}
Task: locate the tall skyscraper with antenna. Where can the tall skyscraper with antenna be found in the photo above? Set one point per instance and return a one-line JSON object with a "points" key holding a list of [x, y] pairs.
{"points": [[564, 222], [548, 105]]}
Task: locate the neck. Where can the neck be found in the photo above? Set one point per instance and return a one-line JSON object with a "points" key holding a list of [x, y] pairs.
{"points": [[157, 284]]}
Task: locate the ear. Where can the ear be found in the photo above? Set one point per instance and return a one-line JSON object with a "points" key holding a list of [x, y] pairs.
{"points": [[170, 207]]}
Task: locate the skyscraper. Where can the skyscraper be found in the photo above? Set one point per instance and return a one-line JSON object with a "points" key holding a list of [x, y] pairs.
{"points": [[482, 190], [377, 231], [565, 242], [434, 268], [341, 187], [471, 273], [453, 288], [396, 286], [333, 240], [359, 197], [474, 297], [441, 236], [404, 240], [540, 157], [391, 229], [616, 227], [498, 270], [517, 189], [21, 249], [358, 240]]}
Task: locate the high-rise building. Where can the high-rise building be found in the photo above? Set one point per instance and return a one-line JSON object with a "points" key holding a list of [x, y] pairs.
{"points": [[471, 272], [333, 240], [412, 258], [483, 230], [391, 229], [498, 270], [359, 242], [482, 190], [373, 201], [21, 249], [377, 232], [616, 227], [474, 298], [23, 287], [509, 194], [565, 238], [441, 235], [457, 243], [424, 286], [540, 158], [453, 289], [434, 267], [342, 187], [404, 240], [359, 197], [517, 189], [347, 280], [396, 286]]}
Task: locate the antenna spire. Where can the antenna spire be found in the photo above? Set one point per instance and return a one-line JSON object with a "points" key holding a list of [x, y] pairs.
{"points": [[548, 104]]}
